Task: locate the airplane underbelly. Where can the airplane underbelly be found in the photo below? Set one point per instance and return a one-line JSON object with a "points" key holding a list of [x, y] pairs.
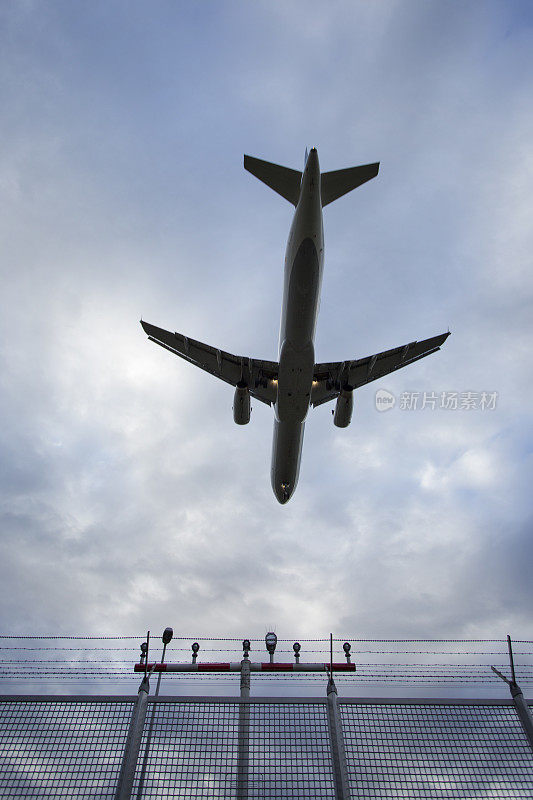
{"points": [[295, 378], [297, 354], [301, 301]]}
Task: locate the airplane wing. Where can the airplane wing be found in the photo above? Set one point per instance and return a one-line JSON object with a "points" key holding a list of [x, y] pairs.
{"points": [[330, 378], [258, 375]]}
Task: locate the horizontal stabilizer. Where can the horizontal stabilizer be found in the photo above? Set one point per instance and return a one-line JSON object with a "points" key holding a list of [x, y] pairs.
{"points": [[341, 181], [283, 180]]}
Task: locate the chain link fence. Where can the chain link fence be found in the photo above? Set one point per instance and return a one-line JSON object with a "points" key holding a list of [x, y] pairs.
{"points": [[73, 746]]}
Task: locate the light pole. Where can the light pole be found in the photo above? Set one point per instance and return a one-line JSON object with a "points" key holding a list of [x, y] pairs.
{"points": [[167, 636]]}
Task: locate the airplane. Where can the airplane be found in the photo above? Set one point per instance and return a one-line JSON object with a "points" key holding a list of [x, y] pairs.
{"points": [[295, 382]]}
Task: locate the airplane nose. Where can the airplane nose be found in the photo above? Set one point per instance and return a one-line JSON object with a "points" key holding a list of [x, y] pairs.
{"points": [[283, 492]]}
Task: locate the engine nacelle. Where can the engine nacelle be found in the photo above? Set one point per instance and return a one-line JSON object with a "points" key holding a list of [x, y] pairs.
{"points": [[241, 405], [343, 409]]}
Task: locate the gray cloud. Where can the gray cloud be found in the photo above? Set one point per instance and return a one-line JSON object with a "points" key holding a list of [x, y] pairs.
{"points": [[129, 498]]}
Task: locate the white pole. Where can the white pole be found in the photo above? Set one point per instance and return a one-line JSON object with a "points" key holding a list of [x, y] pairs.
{"points": [[338, 753], [243, 754], [133, 743]]}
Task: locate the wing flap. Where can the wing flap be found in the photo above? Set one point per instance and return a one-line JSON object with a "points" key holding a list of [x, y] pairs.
{"points": [[256, 373], [330, 377]]}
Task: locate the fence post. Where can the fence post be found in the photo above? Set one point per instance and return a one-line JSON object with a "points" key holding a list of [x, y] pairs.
{"points": [[243, 755], [521, 707], [338, 752], [133, 743], [523, 711]]}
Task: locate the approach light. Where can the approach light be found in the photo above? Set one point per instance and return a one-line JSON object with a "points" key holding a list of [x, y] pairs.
{"points": [[347, 647], [246, 647], [271, 641], [168, 633], [296, 647], [195, 648]]}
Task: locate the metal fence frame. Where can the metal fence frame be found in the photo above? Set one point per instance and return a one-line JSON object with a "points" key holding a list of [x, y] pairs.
{"points": [[333, 708]]}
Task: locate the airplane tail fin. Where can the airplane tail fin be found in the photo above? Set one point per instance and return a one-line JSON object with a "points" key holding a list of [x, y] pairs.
{"points": [[283, 180], [335, 184]]}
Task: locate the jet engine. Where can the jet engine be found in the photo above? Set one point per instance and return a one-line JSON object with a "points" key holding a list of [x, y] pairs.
{"points": [[241, 405], [343, 409]]}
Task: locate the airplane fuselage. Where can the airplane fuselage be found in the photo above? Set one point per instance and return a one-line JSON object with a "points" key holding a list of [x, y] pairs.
{"points": [[304, 261]]}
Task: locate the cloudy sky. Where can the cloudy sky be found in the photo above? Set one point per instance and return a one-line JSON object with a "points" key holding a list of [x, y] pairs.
{"points": [[130, 500]]}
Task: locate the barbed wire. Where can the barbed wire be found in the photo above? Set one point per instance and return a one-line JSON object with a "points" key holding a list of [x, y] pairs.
{"points": [[466, 668], [472, 672], [71, 663], [362, 681], [423, 669], [359, 664], [15, 636], [324, 650], [237, 639], [76, 649]]}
